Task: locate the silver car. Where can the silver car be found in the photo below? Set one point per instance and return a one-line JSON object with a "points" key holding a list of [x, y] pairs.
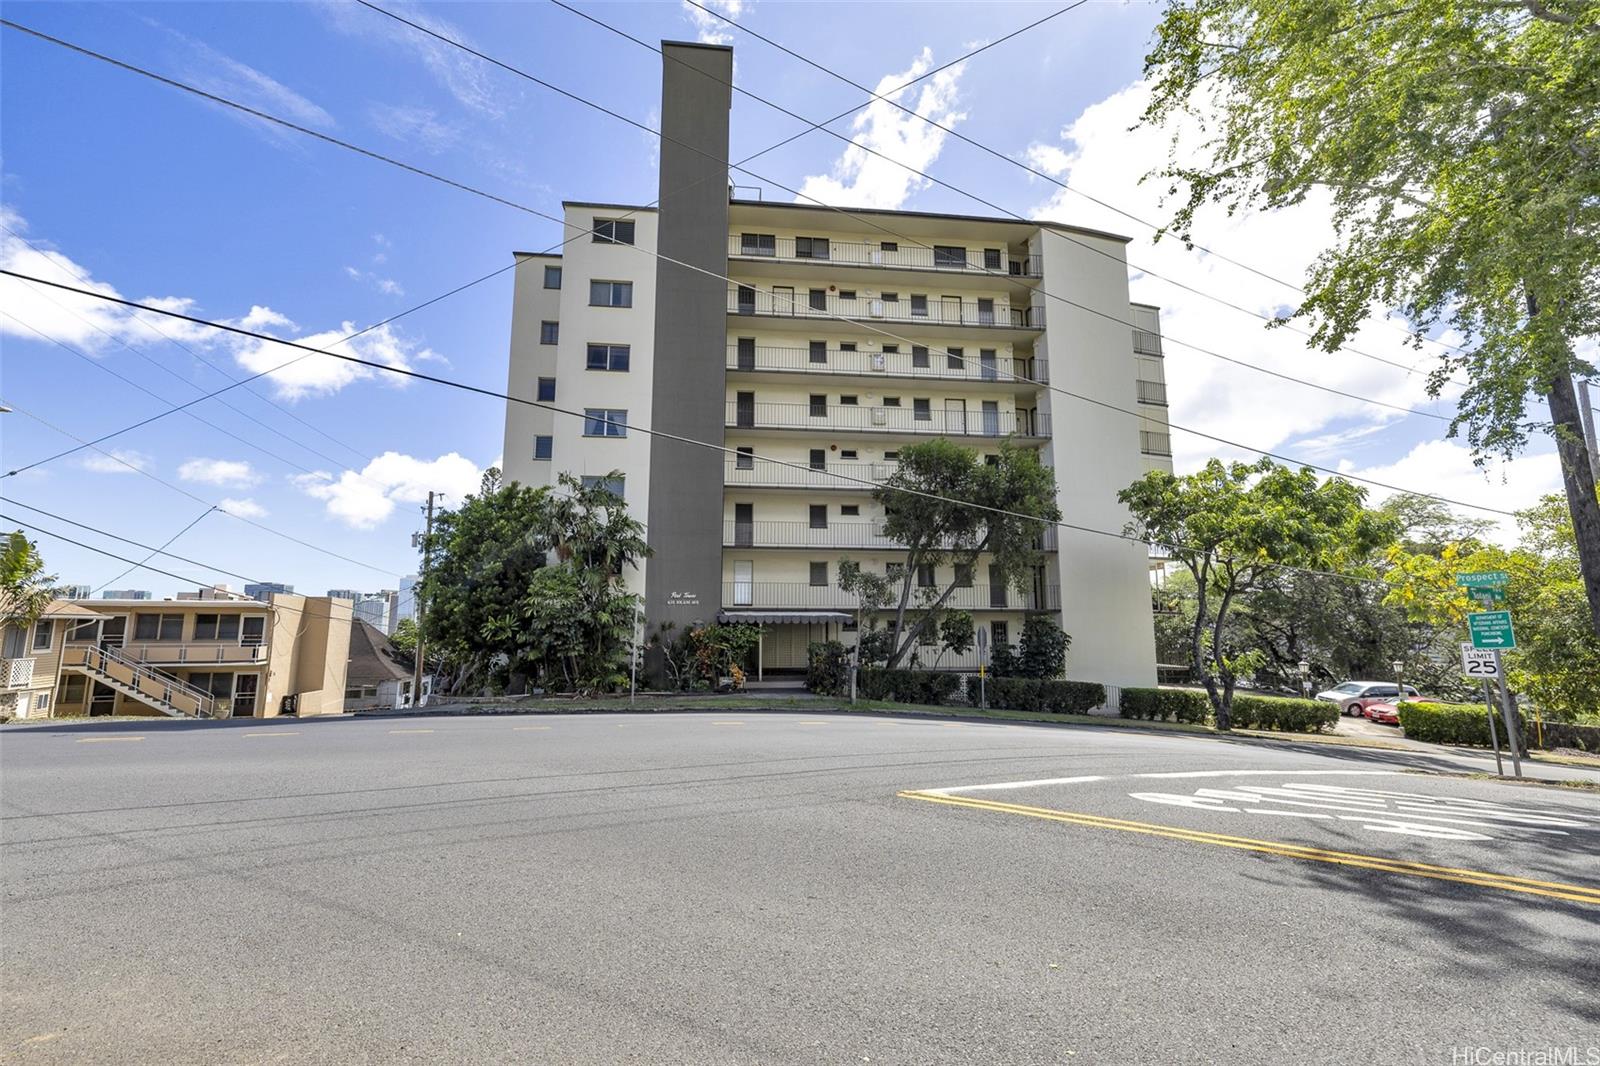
{"points": [[1353, 697]]}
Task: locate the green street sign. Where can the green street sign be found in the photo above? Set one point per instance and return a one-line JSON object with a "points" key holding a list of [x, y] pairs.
{"points": [[1487, 595], [1491, 629], [1484, 579]]}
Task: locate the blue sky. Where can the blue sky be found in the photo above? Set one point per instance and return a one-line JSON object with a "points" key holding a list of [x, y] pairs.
{"points": [[156, 194]]}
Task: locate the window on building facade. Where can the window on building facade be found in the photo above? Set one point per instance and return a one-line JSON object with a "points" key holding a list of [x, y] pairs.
{"points": [[894, 570], [610, 294], [543, 447], [847, 453], [552, 277], [220, 685], [991, 259], [847, 294], [892, 457], [605, 422], [217, 627], [847, 346], [925, 576], [891, 401], [745, 459], [819, 575], [919, 305], [849, 401], [817, 299], [889, 246], [811, 247], [612, 485], [954, 358], [1000, 634], [819, 515], [758, 244], [919, 356], [253, 631], [613, 231], [949, 255], [158, 627], [43, 634], [607, 357], [818, 404], [549, 332], [819, 351], [889, 297], [547, 390], [964, 575], [817, 459], [848, 509], [922, 410], [73, 688]]}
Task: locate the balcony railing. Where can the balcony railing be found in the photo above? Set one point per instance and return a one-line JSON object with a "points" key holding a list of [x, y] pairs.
{"points": [[873, 254], [764, 533], [933, 364], [1155, 443], [1146, 343], [196, 654], [977, 314], [1153, 392], [864, 418], [16, 673], [792, 595], [844, 475]]}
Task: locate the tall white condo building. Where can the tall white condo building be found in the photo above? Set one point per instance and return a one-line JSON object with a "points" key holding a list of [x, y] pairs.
{"points": [[830, 340]]}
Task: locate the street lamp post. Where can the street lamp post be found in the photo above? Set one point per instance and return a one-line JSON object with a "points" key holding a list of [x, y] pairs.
{"points": [[1305, 679], [1399, 681]]}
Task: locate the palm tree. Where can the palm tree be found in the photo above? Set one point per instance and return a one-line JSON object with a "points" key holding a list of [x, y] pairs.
{"points": [[24, 586]]}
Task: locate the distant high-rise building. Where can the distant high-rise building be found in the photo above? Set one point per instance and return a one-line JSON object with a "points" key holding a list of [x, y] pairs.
{"points": [[125, 594], [261, 590], [345, 594], [377, 609], [72, 592], [406, 602]]}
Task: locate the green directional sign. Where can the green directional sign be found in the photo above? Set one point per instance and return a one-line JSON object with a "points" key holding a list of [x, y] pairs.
{"points": [[1487, 595], [1491, 629], [1480, 579]]}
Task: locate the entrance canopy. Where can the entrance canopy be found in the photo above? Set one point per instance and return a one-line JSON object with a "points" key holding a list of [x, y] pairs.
{"points": [[788, 617]]}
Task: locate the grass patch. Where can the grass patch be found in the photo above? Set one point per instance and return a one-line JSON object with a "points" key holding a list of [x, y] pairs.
{"points": [[1536, 782]]}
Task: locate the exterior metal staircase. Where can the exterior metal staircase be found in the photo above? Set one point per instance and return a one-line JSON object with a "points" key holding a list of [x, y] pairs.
{"points": [[132, 678]]}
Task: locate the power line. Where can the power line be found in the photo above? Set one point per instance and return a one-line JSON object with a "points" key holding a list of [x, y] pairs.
{"points": [[534, 211], [1034, 171], [154, 551], [176, 488], [1121, 262], [492, 393]]}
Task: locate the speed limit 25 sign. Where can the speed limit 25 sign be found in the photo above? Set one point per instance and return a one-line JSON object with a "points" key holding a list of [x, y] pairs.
{"points": [[1478, 663]]}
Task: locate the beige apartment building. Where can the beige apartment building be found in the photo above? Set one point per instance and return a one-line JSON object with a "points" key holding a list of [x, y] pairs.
{"points": [[813, 345], [212, 656]]}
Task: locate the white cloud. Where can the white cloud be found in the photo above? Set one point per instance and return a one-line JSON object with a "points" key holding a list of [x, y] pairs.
{"points": [[299, 373], [465, 77], [228, 472], [363, 500], [387, 286], [118, 461], [708, 28], [1444, 468], [242, 508], [223, 75], [860, 179], [419, 126]]}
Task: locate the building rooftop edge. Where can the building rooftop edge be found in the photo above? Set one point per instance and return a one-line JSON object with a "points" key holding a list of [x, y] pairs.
{"points": [[697, 44], [992, 219], [599, 203]]}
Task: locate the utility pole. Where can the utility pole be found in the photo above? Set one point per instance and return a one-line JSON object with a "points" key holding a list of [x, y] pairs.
{"points": [[1586, 413], [422, 580]]}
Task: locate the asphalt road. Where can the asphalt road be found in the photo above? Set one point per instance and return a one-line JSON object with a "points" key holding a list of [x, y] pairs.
{"points": [[776, 888]]}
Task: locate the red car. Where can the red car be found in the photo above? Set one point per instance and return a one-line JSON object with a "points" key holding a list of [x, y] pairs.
{"points": [[1388, 713]]}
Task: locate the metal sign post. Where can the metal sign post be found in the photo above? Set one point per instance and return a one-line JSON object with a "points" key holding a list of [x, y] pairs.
{"points": [[983, 661], [1513, 737], [1494, 734]]}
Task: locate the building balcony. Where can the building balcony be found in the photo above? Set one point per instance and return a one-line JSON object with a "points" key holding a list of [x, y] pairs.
{"points": [[185, 653], [842, 476], [1146, 343], [970, 367], [945, 421], [798, 595], [916, 258], [16, 673], [762, 533], [911, 316], [1158, 444], [1153, 393]]}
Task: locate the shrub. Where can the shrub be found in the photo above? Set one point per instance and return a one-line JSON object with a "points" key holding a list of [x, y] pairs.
{"points": [[1162, 704], [1450, 723], [1042, 697], [907, 686], [1285, 715], [1043, 651], [827, 668]]}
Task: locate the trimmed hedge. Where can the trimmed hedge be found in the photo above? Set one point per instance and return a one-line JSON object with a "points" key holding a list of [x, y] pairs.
{"points": [[907, 686], [1249, 711], [1041, 697], [827, 668], [1453, 723], [1165, 704], [1283, 715]]}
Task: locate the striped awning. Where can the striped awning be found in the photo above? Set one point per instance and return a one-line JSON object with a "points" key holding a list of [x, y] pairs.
{"points": [[783, 617]]}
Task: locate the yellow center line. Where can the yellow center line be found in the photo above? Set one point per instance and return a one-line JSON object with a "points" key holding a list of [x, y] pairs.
{"points": [[276, 733], [1504, 882], [103, 740], [727, 723], [410, 731], [813, 723], [525, 728]]}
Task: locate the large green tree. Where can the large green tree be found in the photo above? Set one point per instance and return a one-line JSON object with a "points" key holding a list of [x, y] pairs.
{"points": [[24, 586], [929, 507], [1231, 527], [1459, 141]]}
